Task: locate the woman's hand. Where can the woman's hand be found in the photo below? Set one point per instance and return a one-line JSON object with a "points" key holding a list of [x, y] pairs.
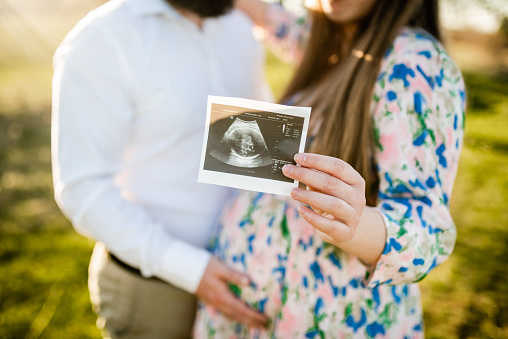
{"points": [[335, 191]]}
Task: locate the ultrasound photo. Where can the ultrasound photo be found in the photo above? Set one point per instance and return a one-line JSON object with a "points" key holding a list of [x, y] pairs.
{"points": [[242, 145], [252, 142]]}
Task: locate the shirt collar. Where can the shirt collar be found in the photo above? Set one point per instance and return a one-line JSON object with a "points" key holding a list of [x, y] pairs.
{"points": [[153, 7]]}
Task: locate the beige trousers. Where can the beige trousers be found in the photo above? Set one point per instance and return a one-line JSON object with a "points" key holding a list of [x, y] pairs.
{"points": [[129, 306]]}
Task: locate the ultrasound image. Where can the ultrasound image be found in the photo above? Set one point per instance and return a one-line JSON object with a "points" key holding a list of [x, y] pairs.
{"points": [[244, 146], [252, 143]]}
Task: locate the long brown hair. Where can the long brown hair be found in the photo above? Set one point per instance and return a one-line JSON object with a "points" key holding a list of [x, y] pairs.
{"points": [[340, 93]]}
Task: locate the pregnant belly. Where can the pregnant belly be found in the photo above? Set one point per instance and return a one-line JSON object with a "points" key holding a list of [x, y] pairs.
{"points": [[294, 274], [255, 237]]}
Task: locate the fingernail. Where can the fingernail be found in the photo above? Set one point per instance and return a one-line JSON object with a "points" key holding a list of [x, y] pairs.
{"points": [[287, 169], [295, 192], [302, 210], [300, 157]]}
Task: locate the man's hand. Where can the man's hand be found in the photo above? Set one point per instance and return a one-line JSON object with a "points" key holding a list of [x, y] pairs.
{"points": [[213, 289]]}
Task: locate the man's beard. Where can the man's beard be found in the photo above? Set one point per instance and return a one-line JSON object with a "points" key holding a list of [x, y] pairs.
{"points": [[204, 8]]}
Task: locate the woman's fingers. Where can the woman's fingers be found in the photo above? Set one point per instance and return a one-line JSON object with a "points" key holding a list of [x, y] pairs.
{"points": [[317, 210], [333, 166], [325, 237], [334, 229], [337, 191], [320, 181], [320, 202]]}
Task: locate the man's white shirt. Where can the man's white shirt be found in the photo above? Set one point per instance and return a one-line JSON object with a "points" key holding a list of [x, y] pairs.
{"points": [[129, 103]]}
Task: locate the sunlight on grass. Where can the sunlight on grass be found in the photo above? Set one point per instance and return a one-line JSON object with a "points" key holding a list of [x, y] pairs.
{"points": [[25, 87], [469, 291], [277, 74]]}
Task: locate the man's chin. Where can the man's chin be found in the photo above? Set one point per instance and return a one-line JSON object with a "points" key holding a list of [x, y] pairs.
{"points": [[204, 8]]}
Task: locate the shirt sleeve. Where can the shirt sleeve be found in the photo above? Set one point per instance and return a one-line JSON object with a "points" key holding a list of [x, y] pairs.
{"points": [[418, 124], [93, 113], [285, 33]]}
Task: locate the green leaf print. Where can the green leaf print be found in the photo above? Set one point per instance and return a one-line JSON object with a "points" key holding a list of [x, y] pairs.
{"points": [[315, 328], [377, 137], [348, 310], [401, 232], [284, 294], [319, 318], [432, 136], [389, 315], [367, 275], [237, 291], [442, 251], [285, 232], [420, 276], [248, 216], [418, 165]]}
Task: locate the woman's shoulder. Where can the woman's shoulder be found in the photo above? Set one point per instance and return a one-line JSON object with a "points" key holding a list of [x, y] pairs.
{"points": [[415, 41], [417, 53], [420, 89], [417, 47]]}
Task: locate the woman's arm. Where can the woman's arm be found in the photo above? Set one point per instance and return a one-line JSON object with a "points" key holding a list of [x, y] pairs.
{"points": [[369, 240], [255, 9], [284, 33], [339, 211], [419, 129]]}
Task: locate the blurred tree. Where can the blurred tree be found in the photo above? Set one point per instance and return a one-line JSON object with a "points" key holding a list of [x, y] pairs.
{"points": [[497, 7], [503, 29]]}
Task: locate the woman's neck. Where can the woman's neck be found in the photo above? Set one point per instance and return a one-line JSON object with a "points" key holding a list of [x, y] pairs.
{"points": [[348, 35]]}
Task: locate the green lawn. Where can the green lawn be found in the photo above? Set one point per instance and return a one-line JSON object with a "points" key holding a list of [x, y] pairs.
{"points": [[43, 262]]}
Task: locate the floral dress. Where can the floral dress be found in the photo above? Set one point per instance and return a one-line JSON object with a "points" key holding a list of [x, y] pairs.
{"points": [[310, 289]]}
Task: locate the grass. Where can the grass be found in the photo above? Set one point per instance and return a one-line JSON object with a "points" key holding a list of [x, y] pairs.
{"points": [[467, 297], [43, 262]]}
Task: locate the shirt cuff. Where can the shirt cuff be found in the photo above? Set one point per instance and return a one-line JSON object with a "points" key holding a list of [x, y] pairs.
{"points": [[183, 265]]}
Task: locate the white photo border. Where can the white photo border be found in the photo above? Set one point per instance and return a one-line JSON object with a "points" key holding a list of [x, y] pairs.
{"points": [[248, 182]]}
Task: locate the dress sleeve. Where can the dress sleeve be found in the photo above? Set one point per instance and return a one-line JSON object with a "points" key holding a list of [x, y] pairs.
{"points": [[285, 33], [418, 129]]}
